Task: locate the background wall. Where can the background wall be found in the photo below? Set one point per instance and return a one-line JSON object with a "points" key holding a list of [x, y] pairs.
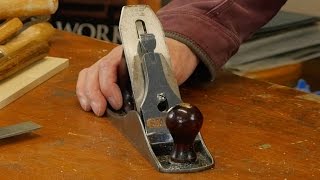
{"points": [[311, 7], [99, 18]]}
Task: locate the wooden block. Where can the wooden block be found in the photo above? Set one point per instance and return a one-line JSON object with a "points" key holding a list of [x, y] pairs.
{"points": [[29, 78]]}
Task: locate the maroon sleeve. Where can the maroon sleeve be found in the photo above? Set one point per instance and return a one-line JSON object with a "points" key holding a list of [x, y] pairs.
{"points": [[214, 29]]}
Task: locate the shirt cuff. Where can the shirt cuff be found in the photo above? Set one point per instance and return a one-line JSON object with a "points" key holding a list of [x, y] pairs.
{"points": [[213, 43]]}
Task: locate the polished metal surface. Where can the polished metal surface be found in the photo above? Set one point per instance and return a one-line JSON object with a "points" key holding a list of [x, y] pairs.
{"points": [[154, 90], [158, 154], [136, 20], [18, 129]]}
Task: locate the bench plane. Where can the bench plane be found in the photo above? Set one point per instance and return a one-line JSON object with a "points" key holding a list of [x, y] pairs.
{"points": [[153, 117]]}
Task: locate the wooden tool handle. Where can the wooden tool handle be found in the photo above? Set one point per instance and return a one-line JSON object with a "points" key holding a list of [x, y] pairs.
{"points": [[18, 8], [184, 122], [31, 52], [9, 28], [37, 32]]}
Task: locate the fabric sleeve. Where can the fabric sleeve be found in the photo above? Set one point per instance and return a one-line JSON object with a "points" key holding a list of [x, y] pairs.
{"points": [[214, 29]]}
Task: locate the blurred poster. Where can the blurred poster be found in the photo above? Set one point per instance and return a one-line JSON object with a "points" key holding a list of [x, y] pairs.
{"points": [[94, 18]]}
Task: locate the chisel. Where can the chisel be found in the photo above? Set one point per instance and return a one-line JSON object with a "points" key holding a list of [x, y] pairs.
{"points": [[18, 129], [38, 32], [9, 28], [28, 54], [20, 8]]}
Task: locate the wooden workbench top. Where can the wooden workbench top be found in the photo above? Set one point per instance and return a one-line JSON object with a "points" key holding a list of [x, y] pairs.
{"points": [[254, 129]]}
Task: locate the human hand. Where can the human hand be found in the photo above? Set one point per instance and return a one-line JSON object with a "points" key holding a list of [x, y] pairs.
{"points": [[97, 85], [183, 60]]}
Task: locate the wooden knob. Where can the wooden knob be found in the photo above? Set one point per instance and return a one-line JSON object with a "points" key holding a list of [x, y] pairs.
{"points": [[184, 122]]}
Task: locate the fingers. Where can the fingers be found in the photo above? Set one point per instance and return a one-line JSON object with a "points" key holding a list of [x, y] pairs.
{"points": [[80, 90], [98, 83], [98, 102], [108, 69], [88, 91]]}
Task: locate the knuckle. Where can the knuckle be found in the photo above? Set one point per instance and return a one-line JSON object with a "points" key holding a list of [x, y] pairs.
{"points": [[105, 64], [80, 92], [92, 93], [83, 72], [91, 70], [105, 90], [89, 92]]}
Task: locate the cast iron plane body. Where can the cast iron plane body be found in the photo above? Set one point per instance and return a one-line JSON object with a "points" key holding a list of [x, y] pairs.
{"points": [[154, 91]]}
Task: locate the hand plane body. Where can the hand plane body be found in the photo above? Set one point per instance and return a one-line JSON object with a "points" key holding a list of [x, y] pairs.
{"points": [[151, 92]]}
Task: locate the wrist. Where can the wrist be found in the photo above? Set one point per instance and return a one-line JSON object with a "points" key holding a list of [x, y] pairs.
{"points": [[183, 60]]}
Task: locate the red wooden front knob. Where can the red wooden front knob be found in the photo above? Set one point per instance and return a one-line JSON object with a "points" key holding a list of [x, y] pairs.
{"points": [[184, 122]]}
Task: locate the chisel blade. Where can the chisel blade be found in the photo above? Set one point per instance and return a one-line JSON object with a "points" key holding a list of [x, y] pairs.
{"points": [[18, 129]]}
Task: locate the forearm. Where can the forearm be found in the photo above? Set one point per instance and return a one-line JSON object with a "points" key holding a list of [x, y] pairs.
{"points": [[214, 29]]}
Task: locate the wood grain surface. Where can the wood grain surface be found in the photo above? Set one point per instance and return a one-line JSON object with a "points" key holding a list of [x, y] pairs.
{"points": [[255, 130], [28, 78]]}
